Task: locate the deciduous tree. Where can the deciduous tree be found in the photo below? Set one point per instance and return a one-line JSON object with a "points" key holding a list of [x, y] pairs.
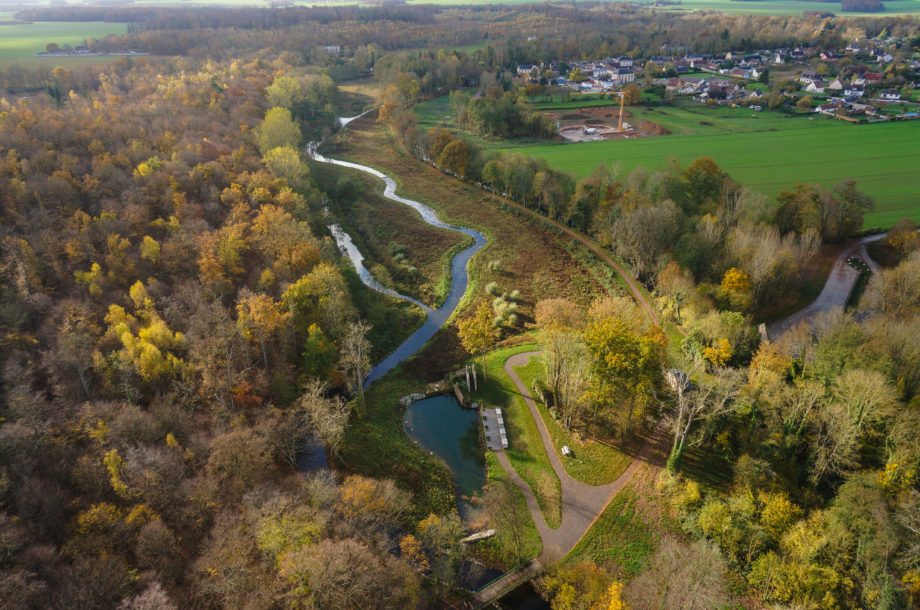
{"points": [[355, 354], [478, 333], [625, 367], [327, 415]]}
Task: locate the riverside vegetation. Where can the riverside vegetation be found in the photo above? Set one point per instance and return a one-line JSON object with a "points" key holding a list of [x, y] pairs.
{"points": [[177, 325]]}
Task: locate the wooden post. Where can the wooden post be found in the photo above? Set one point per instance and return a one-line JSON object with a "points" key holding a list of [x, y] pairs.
{"points": [[468, 386], [475, 383]]}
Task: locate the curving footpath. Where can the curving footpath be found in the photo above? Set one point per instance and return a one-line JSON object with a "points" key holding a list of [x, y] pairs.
{"points": [[587, 242], [582, 504]]}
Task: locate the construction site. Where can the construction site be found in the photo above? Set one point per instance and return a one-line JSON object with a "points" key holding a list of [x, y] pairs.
{"points": [[603, 123]]}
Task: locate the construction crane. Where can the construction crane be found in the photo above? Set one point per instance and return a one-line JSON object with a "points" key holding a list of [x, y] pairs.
{"points": [[622, 95]]}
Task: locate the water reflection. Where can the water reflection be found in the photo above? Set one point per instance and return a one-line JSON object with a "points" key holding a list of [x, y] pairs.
{"points": [[441, 426]]}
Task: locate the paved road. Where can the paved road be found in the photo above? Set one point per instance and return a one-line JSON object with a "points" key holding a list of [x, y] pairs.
{"points": [[836, 291], [582, 504]]}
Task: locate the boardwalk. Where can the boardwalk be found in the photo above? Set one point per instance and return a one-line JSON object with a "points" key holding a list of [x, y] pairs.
{"points": [[507, 582]]}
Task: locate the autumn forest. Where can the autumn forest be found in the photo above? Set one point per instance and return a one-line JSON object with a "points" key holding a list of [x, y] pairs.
{"points": [[180, 327]]}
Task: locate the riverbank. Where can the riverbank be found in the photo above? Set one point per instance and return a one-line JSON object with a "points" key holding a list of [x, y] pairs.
{"points": [[521, 254]]}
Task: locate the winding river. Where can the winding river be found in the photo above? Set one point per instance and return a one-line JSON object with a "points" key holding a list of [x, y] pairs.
{"points": [[459, 279]]}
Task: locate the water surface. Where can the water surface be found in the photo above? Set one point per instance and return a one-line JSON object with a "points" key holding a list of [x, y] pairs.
{"points": [[459, 279], [440, 425]]}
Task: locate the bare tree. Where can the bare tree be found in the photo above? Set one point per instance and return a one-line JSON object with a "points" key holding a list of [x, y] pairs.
{"points": [[564, 354], [860, 397], [692, 404], [327, 415], [348, 574], [896, 291], [154, 597], [681, 576], [908, 518], [355, 354]]}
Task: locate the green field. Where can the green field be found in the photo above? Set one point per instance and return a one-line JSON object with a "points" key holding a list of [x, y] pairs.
{"points": [[763, 7], [791, 7], [881, 157], [32, 63], [27, 39], [697, 119], [439, 112]]}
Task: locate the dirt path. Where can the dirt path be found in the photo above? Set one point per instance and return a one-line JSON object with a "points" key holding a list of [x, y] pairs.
{"points": [[582, 504], [836, 290], [589, 243], [594, 247]]}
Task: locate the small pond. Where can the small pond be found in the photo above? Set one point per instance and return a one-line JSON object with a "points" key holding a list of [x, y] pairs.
{"points": [[440, 425]]}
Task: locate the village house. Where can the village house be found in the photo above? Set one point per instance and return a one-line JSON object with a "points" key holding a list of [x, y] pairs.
{"points": [[829, 108], [808, 77], [525, 70], [890, 95], [816, 86], [854, 90], [622, 76]]}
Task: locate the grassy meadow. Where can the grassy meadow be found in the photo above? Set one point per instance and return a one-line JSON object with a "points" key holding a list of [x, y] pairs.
{"points": [[27, 39], [881, 157], [20, 42], [593, 463], [619, 540], [790, 7]]}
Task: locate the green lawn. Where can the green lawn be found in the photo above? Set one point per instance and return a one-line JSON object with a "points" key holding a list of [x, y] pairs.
{"points": [[31, 63], [619, 540], [27, 39], [438, 112], [593, 463], [525, 449], [503, 547], [881, 157]]}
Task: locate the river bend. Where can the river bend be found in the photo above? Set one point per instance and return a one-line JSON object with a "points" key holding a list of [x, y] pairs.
{"points": [[459, 277]]}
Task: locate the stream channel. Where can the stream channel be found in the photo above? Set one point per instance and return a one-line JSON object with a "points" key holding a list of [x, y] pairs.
{"points": [[425, 421], [438, 424], [459, 276]]}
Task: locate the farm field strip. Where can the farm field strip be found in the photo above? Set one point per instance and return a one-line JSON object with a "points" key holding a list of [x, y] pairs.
{"points": [[52, 62], [882, 158], [26, 39], [790, 7], [706, 121]]}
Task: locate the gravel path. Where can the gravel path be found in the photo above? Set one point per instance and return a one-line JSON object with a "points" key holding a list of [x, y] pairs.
{"points": [[836, 291], [582, 504]]}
